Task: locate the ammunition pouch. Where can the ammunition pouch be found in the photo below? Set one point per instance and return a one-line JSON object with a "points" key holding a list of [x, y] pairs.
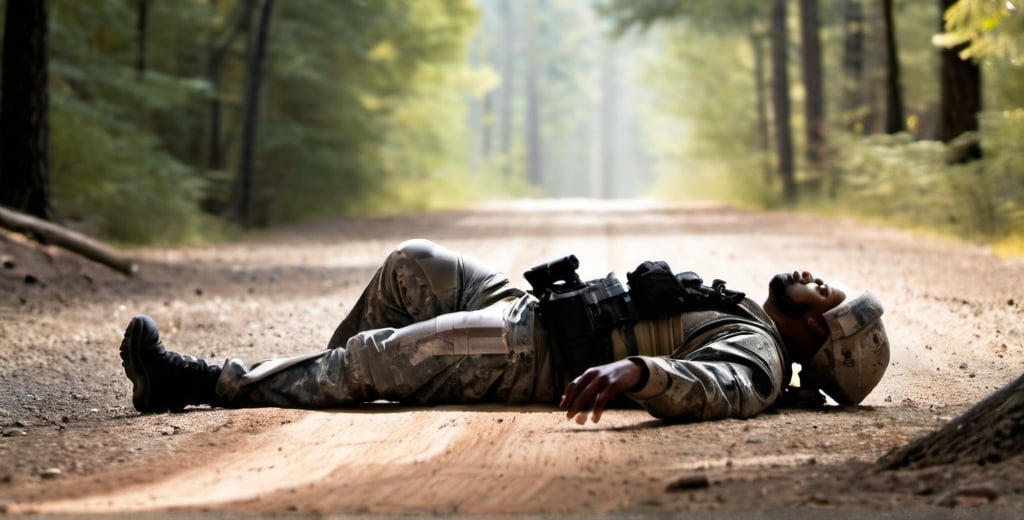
{"points": [[579, 323], [579, 317]]}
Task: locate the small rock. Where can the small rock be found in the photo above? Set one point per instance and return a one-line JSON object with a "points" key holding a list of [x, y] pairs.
{"points": [[50, 473], [820, 499], [690, 481], [30, 280]]}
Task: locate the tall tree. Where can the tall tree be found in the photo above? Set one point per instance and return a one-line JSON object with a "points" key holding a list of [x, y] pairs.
{"points": [[24, 110], [608, 121], [814, 101], [852, 101], [533, 124], [218, 45], [141, 20], [509, 38], [960, 94], [731, 15], [780, 100], [254, 81], [894, 118], [763, 133]]}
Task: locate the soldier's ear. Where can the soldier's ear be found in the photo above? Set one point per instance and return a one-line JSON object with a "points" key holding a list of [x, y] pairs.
{"points": [[817, 325]]}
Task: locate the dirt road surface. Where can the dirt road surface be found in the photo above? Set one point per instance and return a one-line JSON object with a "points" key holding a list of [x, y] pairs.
{"points": [[70, 442]]}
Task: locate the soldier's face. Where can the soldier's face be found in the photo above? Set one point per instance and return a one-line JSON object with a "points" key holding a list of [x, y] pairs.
{"points": [[799, 292], [796, 303]]}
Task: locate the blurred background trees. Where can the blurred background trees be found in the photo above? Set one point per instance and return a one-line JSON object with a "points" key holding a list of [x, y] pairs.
{"points": [[168, 120], [921, 116]]}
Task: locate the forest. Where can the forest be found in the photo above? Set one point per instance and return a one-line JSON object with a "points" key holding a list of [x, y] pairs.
{"points": [[174, 121]]}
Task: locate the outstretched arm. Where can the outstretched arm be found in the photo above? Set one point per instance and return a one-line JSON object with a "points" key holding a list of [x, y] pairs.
{"points": [[737, 376]]}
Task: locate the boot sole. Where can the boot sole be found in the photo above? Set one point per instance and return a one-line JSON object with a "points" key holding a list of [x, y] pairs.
{"points": [[135, 369]]}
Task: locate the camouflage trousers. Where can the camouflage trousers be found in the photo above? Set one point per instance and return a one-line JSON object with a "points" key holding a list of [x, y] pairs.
{"points": [[432, 327]]}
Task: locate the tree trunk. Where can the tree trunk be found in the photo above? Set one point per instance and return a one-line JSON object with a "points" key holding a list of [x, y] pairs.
{"points": [[475, 112], [140, 38], [894, 120], [487, 146], [763, 133], [609, 121], [960, 98], [852, 103], [989, 432], [533, 125], [814, 102], [780, 101], [24, 110], [245, 215], [508, 64]]}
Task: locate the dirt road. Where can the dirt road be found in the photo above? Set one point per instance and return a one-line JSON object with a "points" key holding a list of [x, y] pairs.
{"points": [[70, 441]]}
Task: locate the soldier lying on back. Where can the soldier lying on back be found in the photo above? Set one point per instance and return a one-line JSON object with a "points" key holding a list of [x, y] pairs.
{"points": [[437, 327]]}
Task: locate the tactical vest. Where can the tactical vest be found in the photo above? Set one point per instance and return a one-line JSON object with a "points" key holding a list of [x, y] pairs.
{"points": [[580, 316]]}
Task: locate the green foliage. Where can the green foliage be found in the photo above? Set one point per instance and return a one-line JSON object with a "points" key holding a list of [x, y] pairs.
{"points": [[109, 167], [989, 28], [713, 150], [706, 135], [118, 180], [644, 14], [912, 182], [366, 95], [357, 96], [897, 179]]}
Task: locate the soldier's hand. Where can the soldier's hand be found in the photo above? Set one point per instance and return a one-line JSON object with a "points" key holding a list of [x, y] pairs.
{"points": [[596, 387]]}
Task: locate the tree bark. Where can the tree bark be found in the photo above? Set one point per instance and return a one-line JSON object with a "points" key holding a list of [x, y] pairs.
{"points": [[533, 124], [140, 38], [763, 133], [24, 110], [245, 215], [68, 239], [894, 120], [987, 433], [960, 97], [780, 101], [853, 100], [609, 120], [814, 102], [508, 59]]}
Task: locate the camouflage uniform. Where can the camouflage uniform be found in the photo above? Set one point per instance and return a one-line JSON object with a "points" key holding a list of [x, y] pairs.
{"points": [[435, 327], [432, 327]]}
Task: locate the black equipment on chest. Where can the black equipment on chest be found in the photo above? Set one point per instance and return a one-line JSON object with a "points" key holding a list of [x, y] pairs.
{"points": [[658, 293], [579, 316]]}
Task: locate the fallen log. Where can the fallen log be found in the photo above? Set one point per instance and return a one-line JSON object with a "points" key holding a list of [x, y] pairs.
{"points": [[71, 240]]}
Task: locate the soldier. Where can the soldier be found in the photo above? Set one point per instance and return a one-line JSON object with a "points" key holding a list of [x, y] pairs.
{"points": [[434, 326]]}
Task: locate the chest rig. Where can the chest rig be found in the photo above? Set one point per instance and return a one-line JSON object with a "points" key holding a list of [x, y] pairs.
{"points": [[579, 316]]}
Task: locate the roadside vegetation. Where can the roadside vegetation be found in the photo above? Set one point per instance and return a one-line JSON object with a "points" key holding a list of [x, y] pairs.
{"points": [[934, 141], [171, 122]]}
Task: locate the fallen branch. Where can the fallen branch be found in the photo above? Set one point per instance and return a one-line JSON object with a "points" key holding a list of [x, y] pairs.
{"points": [[68, 239]]}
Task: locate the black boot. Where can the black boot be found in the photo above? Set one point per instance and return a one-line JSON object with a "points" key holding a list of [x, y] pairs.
{"points": [[163, 380]]}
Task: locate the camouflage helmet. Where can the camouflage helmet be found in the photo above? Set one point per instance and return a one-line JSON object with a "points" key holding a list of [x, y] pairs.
{"points": [[856, 353]]}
